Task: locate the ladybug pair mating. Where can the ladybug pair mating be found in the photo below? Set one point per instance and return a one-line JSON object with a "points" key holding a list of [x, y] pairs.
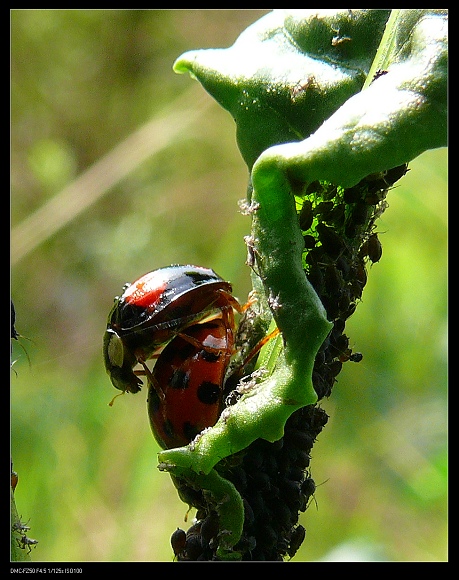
{"points": [[183, 316]]}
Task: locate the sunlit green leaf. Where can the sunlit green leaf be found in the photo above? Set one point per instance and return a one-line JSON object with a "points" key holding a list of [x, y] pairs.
{"points": [[293, 70]]}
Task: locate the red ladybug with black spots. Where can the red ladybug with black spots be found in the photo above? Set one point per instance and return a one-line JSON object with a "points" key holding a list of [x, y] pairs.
{"points": [[183, 318]]}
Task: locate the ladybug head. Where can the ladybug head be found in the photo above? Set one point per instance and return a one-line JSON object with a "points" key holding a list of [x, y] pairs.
{"points": [[119, 363]]}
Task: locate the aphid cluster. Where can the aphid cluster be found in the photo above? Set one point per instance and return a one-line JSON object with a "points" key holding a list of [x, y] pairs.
{"points": [[340, 240], [275, 484]]}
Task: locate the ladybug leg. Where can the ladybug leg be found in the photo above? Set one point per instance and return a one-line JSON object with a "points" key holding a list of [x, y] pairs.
{"points": [[252, 298], [256, 349], [197, 343], [230, 325], [234, 303], [152, 382], [227, 317]]}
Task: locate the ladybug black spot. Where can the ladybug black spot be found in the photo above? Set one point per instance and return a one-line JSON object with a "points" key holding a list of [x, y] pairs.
{"points": [[184, 352], [208, 393], [168, 429], [200, 277], [189, 431], [153, 401]]}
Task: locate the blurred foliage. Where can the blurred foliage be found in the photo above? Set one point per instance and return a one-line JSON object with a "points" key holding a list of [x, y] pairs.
{"points": [[82, 82]]}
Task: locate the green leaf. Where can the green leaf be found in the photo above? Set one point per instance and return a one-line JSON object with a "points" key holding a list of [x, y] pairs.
{"points": [[288, 72], [292, 70]]}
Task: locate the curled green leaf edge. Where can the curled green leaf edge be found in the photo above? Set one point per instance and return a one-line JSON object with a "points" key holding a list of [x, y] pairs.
{"points": [[393, 121]]}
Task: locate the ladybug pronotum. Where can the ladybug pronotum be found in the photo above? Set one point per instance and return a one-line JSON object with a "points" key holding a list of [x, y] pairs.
{"points": [[153, 310]]}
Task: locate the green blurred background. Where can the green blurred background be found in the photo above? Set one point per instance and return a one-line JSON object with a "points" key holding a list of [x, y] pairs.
{"points": [[82, 83]]}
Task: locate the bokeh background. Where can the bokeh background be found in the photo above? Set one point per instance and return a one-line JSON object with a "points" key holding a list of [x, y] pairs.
{"points": [[118, 167]]}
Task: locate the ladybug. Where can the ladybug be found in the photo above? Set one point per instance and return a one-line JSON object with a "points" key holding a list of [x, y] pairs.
{"points": [[185, 386], [156, 308]]}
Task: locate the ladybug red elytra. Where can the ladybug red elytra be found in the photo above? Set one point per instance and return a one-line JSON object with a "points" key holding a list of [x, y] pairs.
{"points": [[186, 384], [156, 308]]}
